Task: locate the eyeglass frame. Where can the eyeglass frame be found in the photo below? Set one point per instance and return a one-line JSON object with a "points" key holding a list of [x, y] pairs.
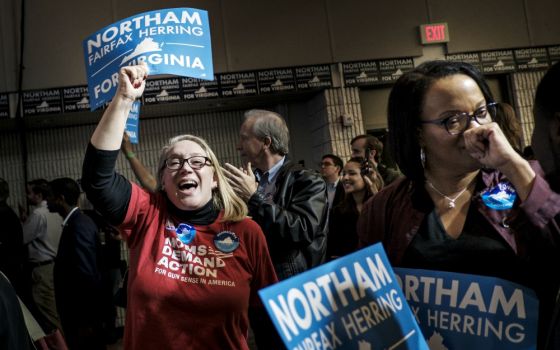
{"points": [[188, 161], [470, 116]]}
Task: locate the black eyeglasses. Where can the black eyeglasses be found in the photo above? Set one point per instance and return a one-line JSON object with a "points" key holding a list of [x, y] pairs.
{"points": [[458, 123], [195, 162]]}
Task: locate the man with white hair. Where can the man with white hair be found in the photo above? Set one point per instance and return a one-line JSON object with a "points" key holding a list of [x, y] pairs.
{"points": [[289, 201]]}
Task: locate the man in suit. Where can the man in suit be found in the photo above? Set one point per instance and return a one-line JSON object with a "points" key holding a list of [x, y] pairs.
{"points": [[331, 167], [77, 278]]}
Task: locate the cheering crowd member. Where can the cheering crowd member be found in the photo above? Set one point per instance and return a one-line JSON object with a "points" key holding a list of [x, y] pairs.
{"points": [[196, 260]]}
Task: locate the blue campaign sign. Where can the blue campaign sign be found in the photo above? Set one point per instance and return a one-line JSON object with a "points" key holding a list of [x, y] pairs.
{"points": [[171, 41], [353, 302], [459, 311], [133, 122]]}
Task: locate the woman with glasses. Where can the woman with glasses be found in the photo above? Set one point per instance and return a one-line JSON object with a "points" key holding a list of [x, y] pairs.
{"points": [[196, 260], [469, 202]]}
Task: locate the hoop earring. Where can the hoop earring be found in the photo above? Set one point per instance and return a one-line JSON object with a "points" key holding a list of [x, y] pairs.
{"points": [[423, 157]]}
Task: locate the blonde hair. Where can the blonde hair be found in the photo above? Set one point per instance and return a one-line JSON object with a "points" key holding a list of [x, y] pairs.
{"points": [[223, 197]]}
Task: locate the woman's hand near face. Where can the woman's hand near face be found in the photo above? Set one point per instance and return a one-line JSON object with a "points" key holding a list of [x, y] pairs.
{"points": [[488, 144]]}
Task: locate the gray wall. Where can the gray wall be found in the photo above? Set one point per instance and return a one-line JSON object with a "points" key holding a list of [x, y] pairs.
{"points": [[249, 35], [265, 34]]}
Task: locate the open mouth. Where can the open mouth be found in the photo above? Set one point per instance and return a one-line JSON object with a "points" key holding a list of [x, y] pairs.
{"points": [[188, 185]]}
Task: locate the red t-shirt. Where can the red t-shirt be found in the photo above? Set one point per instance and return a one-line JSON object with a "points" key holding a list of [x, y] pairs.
{"points": [[195, 295]]}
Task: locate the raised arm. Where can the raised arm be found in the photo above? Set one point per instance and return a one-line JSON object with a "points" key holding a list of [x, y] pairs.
{"points": [[143, 174], [108, 134], [108, 191]]}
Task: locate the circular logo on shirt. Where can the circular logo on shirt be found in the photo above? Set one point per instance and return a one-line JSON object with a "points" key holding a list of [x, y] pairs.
{"points": [[500, 197], [226, 241], [185, 233]]}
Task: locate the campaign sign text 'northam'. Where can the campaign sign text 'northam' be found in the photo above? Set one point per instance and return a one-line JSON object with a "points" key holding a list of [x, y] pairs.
{"points": [[171, 41], [353, 302], [460, 311]]}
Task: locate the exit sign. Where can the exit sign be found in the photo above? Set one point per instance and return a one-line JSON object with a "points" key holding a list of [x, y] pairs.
{"points": [[434, 33]]}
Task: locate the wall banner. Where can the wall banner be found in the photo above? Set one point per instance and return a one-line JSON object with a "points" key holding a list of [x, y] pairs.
{"points": [[276, 80], [313, 77], [499, 61], [470, 57], [360, 73], [238, 84], [353, 302], [554, 54], [198, 89], [46, 101], [4, 106], [531, 58], [163, 90], [171, 41], [75, 99], [391, 70], [460, 311]]}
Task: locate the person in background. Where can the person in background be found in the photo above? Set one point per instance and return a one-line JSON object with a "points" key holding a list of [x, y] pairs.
{"points": [[13, 331], [343, 238], [508, 121], [459, 170], [546, 146], [289, 202], [111, 266], [13, 254], [41, 234], [77, 278], [331, 167], [528, 153], [196, 259], [147, 180], [371, 145]]}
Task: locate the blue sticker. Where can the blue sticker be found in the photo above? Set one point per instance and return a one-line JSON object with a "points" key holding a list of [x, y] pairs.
{"points": [[500, 197], [185, 233], [226, 241]]}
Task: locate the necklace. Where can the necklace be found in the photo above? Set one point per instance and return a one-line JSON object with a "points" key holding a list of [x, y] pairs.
{"points": [[451, 201]]}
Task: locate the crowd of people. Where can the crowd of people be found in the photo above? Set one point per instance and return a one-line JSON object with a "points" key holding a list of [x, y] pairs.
{"points": [[205, 236]]}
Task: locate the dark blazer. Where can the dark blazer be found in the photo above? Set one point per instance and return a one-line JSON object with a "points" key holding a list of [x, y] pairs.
{"points": [[76, 271], [338, 194], [296, 223], [13, 253]]}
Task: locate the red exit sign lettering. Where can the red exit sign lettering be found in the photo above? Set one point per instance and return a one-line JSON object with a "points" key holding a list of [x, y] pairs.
{"points": [[434, 33]]}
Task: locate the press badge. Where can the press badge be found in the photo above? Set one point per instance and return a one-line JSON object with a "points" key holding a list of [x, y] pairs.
{"points": [[500, 197]]}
